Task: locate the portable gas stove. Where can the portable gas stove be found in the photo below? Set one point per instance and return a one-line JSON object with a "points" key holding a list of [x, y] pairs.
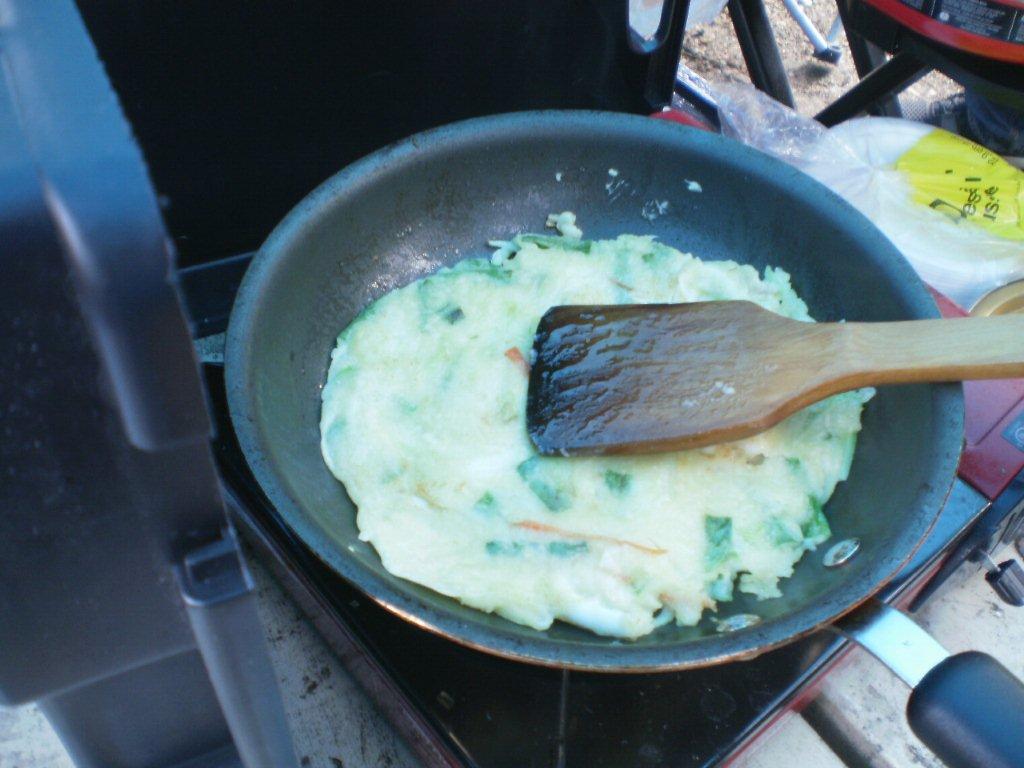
{"points": [[237, 121], [459, 707]]}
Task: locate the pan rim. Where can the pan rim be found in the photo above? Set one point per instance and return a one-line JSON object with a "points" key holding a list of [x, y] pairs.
{"points": [[545, 650]]}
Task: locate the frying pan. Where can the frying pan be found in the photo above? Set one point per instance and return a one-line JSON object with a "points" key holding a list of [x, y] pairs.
{"points": [[438, 197]]}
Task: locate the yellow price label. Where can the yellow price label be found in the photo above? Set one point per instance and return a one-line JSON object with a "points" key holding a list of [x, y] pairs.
{"points": [[966, 182]]}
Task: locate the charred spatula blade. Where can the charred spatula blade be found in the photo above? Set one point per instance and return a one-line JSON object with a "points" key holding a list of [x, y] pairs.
{"points": [[617, 378]]}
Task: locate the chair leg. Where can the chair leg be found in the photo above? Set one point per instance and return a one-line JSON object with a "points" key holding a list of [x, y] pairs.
{"points": [[823, 49], [868, 57], [893, 76], [761, 54]]}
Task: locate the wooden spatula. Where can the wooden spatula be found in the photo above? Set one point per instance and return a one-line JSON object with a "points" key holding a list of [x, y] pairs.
{"points": [[640, 378]]}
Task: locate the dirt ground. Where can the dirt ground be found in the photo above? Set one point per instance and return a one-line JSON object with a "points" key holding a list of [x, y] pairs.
{"points": [[711, 50]]}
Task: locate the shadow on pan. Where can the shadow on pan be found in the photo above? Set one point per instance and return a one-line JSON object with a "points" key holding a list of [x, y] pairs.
{"points": [[438, 197]]}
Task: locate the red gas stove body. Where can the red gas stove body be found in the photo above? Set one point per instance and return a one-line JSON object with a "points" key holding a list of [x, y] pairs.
{"points": [[991, 29]]}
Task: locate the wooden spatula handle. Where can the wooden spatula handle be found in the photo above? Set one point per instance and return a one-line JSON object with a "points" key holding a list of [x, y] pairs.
{"points": [[664, 377], [933, 350]]}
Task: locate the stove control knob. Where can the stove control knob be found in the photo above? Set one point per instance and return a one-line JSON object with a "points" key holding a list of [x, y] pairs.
{"points": [[1006, 578]]}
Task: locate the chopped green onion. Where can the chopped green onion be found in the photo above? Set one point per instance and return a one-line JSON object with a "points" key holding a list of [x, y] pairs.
{"points": [[453, 315], [718, 532], [617, 482], [816, 528], [507, 548], [486, 504], [478, 266], [567, 548], [550, 495], [783, 533]]}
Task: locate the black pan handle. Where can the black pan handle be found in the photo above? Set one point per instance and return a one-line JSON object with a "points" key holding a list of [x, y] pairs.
{"points": [[967, 708]]}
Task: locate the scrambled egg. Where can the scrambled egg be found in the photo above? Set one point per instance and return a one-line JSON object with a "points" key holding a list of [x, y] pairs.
{"points": [[424, 422]]}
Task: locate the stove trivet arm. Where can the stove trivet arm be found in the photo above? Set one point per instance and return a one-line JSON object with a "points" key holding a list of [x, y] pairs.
{"points": [[1006, 578], [968, 708], [217, 589], [984, 537]]}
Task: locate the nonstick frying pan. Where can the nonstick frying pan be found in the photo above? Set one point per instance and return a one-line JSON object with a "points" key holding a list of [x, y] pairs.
{"points": [[438, 197]]}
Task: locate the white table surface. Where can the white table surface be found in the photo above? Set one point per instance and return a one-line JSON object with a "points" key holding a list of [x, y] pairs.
{"points": [[334, 725]]}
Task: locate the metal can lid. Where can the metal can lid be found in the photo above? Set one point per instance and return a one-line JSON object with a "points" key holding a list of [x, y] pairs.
{"points": [[1009, 299]]}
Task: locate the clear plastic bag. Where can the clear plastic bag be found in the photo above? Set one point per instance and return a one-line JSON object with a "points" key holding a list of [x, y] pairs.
{"points": [[645, 15], [954, 209]]}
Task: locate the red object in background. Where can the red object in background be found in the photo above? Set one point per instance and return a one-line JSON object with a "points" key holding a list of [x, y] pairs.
{"points": [[990, 459], [986, 28], [683, 118]]}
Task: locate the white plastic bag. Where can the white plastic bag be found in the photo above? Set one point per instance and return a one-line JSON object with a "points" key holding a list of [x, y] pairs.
{"points": [[953, 208]]}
